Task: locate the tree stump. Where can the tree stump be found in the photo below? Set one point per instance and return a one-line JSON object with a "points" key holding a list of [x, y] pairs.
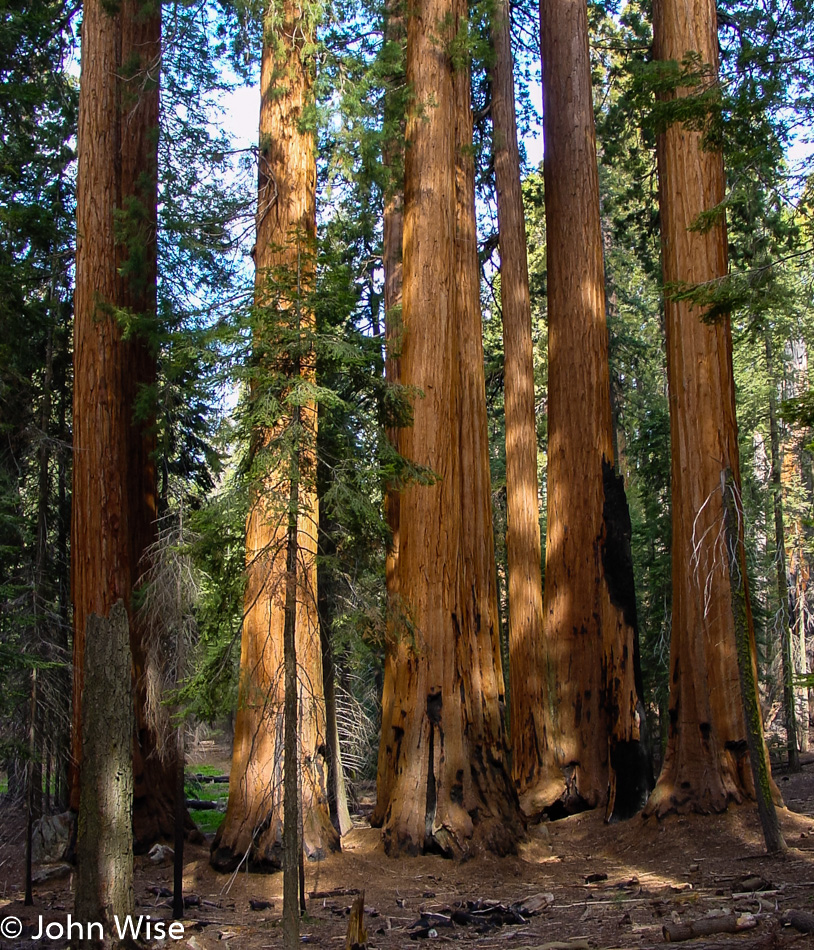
{"points": [[357, 932]]}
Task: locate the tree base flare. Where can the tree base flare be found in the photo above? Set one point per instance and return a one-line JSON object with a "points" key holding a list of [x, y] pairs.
{"points": [[262, 853]]}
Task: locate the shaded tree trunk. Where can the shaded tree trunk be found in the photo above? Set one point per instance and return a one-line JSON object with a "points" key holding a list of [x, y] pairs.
{"points": [[747, 672], [591, 750], [523, 549], [706, 763], [442, 781], [114, 494], [392, 247], [286, 233], [104, 843], [787, 666], [292, 846]]}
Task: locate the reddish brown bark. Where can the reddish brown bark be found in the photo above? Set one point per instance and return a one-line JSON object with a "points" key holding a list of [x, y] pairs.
{"points": [[286, 236], [442, 780], [706, 764], [114, 495], [590, 751], [392, 242], [523, 535]]}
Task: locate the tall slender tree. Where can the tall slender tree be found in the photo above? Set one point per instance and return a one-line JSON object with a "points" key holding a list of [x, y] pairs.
{"points": [[283, 345], [442, 780], [786, 664], [392, 262], [591, 751], [523, 535], [114, 479], [706, 763]]}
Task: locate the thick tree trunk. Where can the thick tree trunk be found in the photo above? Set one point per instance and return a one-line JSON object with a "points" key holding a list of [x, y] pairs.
{"points": [[442, 779], [286, 231], [153, 774], [100, 555], [591, 749], [523, 534], [113, 520], [104, 843], [706, 763]]}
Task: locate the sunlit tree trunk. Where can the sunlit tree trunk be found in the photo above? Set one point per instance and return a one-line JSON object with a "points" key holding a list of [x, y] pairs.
{"points": [[591, 752], [523, 535], [442, 781], [286, 238], [706, 763], [114, 496]]}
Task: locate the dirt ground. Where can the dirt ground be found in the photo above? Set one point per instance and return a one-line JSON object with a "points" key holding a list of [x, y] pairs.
{"points": [[575, 883]]}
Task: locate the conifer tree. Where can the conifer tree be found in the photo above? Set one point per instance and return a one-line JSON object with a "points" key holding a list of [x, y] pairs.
{"points": [[523, 548], [706, 764], [442, 779], [590, 746], [284, 437], [114, 494]]}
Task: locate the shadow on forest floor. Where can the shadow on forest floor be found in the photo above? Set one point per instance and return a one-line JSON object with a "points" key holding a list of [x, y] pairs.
{"points": [[605, 885]]}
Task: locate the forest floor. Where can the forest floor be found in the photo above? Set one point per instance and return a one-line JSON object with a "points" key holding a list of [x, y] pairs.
{"points": [[576, 883]]}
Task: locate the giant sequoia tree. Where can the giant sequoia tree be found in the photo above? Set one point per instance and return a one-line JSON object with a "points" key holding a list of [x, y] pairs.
{"points": [[114, 479], [706, 764], [583, 747], [285, 425], [523, 516], [442, 779]]}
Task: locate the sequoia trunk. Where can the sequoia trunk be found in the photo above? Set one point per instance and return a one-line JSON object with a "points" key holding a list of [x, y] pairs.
{"points": [[591, 750], [706, 763], [523, 535], [442, 780], [286, 238], [114, 495]]}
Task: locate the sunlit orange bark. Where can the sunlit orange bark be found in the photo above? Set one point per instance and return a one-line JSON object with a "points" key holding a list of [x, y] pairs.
{"points": [[523, 515], [286, 235], [442, 778], [706, 764]]}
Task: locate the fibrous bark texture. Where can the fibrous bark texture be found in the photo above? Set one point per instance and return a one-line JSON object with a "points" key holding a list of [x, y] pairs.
{"points": [[588, 751], [706, 763], [114, 479], [443, 781], [286, 230], [523, 535], [104, 841]]}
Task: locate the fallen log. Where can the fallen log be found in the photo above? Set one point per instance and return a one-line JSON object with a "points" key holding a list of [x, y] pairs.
{"points": [[730, 924]]}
